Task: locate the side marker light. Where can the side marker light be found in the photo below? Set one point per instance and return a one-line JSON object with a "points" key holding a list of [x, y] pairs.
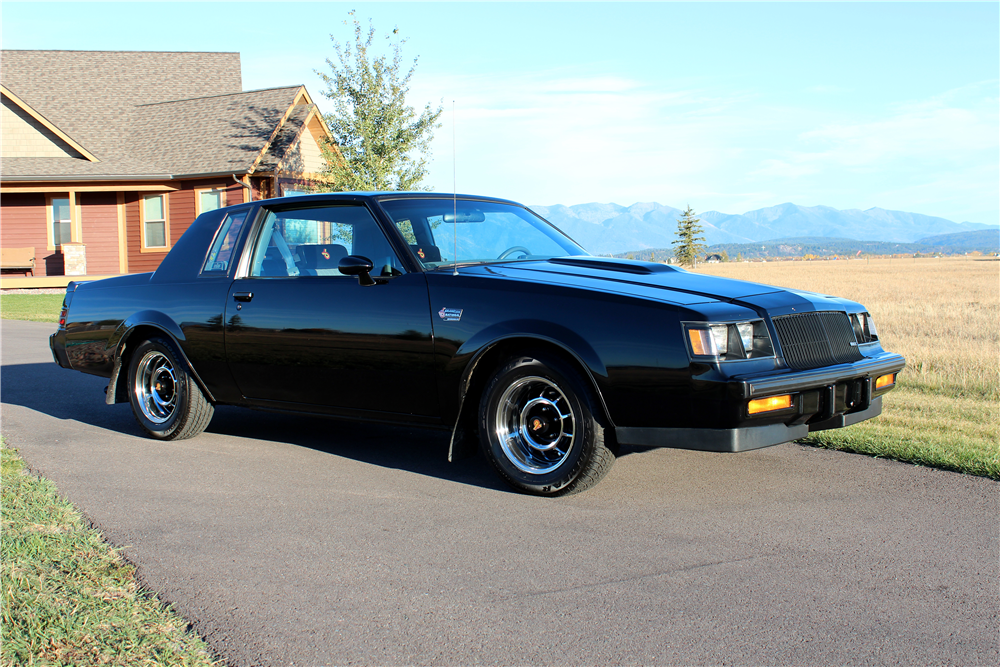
{"points": [[769, 404]]}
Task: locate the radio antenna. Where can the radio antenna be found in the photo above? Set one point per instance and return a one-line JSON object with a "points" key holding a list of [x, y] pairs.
{"points": [[454, 186]]}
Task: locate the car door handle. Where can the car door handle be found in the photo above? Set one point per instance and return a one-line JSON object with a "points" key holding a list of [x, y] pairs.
{"points": [[243, 296]]}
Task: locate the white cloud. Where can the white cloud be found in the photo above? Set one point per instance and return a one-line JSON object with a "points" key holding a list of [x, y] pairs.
{"points": [[557, 136], [934, 133], [571, 135]]}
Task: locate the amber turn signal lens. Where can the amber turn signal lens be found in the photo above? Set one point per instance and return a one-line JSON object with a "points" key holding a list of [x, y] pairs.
{"points": [[885, 381], [702, 343], [759, 405]]}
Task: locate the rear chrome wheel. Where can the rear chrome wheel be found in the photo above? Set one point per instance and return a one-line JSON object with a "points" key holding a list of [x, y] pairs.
{"points": [[166, 401], [156, 386], [539, 429]]}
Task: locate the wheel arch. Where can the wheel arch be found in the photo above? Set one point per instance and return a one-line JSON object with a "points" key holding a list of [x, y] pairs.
{"points": [[488, 357], [129, 334]]}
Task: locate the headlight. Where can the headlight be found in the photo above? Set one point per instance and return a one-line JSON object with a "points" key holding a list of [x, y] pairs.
{"points": [[864, 327], [729, 341]]}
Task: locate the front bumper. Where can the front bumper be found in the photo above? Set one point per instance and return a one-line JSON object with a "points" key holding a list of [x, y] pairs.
{"points": [[737, 439], [788, 382], [822, 398]]}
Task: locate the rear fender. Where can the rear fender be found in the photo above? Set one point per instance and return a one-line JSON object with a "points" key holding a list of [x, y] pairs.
{"points": [[137, 328]]}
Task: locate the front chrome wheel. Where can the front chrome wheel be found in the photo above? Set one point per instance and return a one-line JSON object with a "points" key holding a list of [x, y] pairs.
{"points": [[534, 425], [156, 386], [539, 428]]}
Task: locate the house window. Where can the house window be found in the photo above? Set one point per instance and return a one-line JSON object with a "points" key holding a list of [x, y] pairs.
{"points": [[154, 221], [62, 223], [209, 200]]}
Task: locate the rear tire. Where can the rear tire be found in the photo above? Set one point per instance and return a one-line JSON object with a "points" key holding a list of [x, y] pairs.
{"points": [[166, 401], [539, 428]]}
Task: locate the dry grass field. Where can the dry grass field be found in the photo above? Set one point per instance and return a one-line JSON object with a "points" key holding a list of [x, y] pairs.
{"points": [[943, 315]]}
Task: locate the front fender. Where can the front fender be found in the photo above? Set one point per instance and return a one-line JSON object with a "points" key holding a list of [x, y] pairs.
{"points": [[481, 344], [543, 330]]}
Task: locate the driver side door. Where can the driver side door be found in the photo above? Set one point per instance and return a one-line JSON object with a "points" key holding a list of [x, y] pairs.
{"points": [[301, 335]]}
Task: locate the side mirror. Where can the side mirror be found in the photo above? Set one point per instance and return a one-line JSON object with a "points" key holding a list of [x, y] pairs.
{"points": [[356, 265]]}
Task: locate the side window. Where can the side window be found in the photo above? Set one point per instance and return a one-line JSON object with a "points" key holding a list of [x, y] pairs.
{"points": [[312, 241], [221, 255]]}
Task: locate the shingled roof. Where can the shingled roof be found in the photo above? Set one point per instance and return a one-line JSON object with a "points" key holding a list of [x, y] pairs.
{"points": [[146, 114], [286, 137]]}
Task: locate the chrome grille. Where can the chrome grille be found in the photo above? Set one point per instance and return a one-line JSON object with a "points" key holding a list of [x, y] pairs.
{"points": [[813, 340]]}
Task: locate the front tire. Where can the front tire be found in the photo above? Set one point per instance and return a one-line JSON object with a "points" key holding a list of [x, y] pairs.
{"points": [[166, 401], [538, 427]]}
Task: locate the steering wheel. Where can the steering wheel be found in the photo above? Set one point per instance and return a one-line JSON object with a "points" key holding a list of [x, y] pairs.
{"points": [[511, 250]]}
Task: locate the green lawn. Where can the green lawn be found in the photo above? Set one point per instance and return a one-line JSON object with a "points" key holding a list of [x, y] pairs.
{"points": [[926, 427], [70, 599], [33, 307]]}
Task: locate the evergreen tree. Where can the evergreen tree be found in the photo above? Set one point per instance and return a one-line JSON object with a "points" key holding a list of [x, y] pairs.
{"points": [[690, 241], [379, 141]]}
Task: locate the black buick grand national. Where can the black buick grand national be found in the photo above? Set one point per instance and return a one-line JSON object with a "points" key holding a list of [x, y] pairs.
{"points": [[475, 315]]}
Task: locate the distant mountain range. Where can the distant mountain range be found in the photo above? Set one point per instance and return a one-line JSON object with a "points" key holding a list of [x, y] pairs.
{"points": [[986, 241], [606, 229]]}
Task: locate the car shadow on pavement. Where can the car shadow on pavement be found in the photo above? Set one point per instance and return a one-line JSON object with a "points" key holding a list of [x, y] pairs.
{"points": [[423, 451], [68, 395], [65, 395]]}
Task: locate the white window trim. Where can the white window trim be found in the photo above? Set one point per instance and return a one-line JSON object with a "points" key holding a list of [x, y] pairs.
{"points": [[221, 189], [75, 232], [166, 222]]}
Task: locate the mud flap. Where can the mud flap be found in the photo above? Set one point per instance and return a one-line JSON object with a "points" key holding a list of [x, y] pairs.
{"points": [[111, 392], [464, 443]]}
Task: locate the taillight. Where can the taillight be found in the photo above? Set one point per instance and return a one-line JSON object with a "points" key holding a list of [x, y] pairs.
{"points": [[63, 313]]}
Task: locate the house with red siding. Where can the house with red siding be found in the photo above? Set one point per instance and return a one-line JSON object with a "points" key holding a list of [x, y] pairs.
{"points": [[107, 157]]}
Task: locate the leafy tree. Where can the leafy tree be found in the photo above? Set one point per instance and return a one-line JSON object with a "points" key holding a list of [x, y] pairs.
{"points": [[379, 141], [725, 256], [690, 241]]}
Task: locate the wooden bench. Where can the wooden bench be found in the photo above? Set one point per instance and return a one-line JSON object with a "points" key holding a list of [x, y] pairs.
{"points": [[18, 259]]}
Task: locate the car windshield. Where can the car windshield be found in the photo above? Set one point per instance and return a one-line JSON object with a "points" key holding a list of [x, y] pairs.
{"points": [[480, 231]]}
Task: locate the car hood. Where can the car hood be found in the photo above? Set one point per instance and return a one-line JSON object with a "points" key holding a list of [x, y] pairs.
{"points": [[663, 282]]}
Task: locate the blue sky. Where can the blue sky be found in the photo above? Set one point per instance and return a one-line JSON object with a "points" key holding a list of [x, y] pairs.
{"points": [[727, 107]]}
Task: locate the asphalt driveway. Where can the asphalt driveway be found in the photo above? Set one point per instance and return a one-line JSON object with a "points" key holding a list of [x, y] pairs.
{"points": [[298, 541]]}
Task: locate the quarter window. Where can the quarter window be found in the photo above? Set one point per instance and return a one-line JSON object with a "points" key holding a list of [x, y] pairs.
{"points": [[154, 221], [62, 226], [221, 255]]}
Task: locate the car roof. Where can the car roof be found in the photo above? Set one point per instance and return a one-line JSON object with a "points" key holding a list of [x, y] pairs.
{"points": [[379, 195]]}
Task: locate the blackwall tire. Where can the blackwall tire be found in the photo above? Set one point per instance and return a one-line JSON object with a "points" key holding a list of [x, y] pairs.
{"points": [[540, 429], [166, 401]]}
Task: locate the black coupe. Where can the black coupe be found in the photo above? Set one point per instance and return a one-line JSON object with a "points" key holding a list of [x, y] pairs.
{"points": [[475, 315]]}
